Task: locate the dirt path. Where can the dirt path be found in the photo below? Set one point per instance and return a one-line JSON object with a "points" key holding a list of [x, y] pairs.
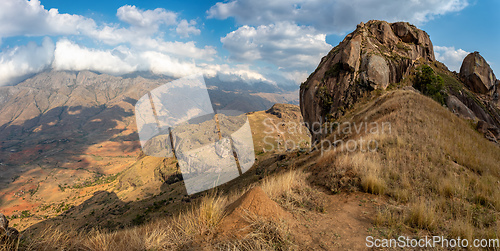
{"points": [[344, 226]]}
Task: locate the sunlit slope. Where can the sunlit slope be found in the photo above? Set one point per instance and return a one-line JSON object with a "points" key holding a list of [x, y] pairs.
{"points": [[441, 173]]}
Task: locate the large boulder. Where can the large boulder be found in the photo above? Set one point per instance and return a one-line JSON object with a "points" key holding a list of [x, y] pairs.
{"points": [[373, 56], [457, 107], [476, 73]]}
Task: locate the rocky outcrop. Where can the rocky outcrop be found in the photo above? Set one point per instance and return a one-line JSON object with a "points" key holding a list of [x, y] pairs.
{"points": [[478, 77], [6, 233], [373, 56], [457, 107], [476, 73], [490, 132], [4, 223], [285, 111]]}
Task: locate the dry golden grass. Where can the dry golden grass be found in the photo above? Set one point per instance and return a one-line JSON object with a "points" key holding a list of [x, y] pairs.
{"points": [[203, 218], [432, 163], [266, 235], [422, 215], [192, 228], [372, 183], [292, 191], [53, 238]]}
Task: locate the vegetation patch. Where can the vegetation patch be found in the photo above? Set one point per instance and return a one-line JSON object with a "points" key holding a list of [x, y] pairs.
{"points": [[430, 84], [324, 95], [334, 71]]}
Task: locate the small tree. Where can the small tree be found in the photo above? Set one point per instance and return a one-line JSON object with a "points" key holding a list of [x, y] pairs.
{"points": [[430, 84]]}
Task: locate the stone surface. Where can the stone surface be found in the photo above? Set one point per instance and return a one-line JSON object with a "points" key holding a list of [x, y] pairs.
{"points": [[476, 73], [4, 223], [490, 132], [373, 56], [457, 107]]}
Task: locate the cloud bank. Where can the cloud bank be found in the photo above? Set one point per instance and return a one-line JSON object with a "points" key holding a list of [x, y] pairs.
{"points": [[68, 55], [336, 16], [292, 34], [135, 44], [450, 57], [275, 41], [25, 60], [30, 18], [284, 44]]}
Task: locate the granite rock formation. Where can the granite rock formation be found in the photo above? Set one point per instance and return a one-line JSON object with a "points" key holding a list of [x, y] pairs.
{"points": [[373, 56], [477, 74]]}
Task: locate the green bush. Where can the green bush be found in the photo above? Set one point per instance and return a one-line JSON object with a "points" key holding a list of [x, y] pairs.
{"points": [[430, 84], [325, 97]]}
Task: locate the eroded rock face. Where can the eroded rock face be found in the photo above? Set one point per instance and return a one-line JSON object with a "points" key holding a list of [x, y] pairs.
{"points": [[476, 73], [373, 56]]}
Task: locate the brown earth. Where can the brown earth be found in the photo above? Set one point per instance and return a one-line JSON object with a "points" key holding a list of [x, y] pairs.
{"points": [[254, 203]]}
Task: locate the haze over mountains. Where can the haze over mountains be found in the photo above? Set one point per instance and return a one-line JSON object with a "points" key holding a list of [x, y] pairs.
{"points": [[81, 125]]}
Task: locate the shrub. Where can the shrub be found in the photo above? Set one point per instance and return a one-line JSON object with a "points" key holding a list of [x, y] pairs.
{"points": [[430, 84], [325, 97]]}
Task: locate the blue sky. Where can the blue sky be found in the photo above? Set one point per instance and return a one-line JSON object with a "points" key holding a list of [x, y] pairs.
{"points": [[252, 40]]}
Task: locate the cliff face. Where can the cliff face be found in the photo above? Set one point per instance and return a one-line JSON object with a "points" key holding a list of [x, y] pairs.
{"points": [[373, 56]]}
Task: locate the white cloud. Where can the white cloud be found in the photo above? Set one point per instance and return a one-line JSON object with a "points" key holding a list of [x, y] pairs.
{"points": [[184, 28], [180, 49], [161, 63], [283, 44], [450, 57], [67, 55], [30, 18], [144, 25], [24, 60], [239, 72], [336, 16], [296, 76], [135, 17], [120, 60], [137, 40], [70, 56]]}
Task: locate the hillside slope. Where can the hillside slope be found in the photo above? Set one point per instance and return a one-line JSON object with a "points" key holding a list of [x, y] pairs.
{"points": [[440, 175], [431, 174]]}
